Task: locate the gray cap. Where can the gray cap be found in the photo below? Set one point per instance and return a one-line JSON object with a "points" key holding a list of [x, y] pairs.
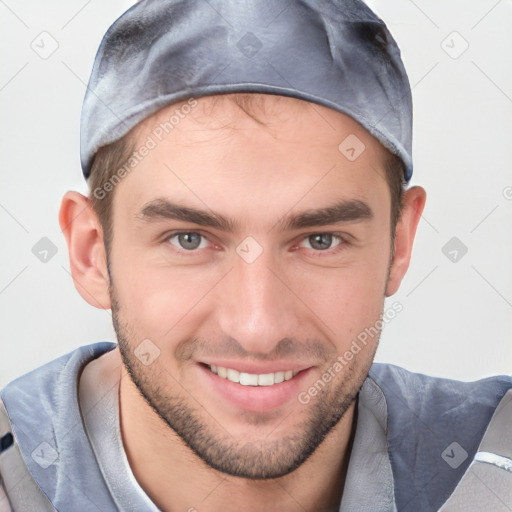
{"points": [[336, 53]]}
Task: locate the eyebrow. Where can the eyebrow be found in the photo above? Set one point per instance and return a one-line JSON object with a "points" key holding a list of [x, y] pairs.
{"points": [[353, 210]]}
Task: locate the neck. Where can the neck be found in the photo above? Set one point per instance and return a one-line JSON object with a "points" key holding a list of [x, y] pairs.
{"points": [[176, 479]]}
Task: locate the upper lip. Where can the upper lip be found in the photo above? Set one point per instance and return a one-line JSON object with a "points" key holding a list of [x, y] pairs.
{"points": [[258, 368]]}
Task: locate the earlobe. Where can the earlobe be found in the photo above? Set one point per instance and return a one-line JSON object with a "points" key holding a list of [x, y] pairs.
{"points": [[414, 202], [87, 256]]}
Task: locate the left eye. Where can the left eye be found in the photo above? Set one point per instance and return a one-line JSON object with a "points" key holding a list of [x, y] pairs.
{"points": [[188, 240], [323, 241]]}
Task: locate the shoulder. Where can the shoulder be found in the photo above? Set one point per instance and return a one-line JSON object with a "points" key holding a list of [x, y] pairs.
{"points": [[51, 389], [434, 427], [44, 417], [438, 407], [59, 371], [417, 388], [447, 396]]}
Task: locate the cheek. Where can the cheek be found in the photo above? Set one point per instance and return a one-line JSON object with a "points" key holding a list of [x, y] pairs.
{"points": [[158, 301], [346, 300]]}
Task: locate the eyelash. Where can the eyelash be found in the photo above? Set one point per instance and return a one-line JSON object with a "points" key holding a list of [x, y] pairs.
{"points": [[342, 242]]}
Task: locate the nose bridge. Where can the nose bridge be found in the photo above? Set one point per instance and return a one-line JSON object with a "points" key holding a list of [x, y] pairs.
{"points": [[255, 306]]}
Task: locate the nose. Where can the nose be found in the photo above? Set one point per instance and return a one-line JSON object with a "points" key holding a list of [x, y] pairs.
{"points": [[256, 305]]}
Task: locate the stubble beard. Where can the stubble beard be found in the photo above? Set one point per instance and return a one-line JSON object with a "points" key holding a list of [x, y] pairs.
{"points": [[204, 435]]}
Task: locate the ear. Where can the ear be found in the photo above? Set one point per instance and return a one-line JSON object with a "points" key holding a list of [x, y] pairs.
{"points": [[87, 256], [414, 202]]}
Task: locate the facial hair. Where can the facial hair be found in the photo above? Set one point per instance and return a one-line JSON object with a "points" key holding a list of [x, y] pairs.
{"points": [[256, 459]]}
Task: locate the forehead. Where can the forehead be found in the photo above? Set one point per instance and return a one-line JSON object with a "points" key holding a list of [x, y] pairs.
{"points": [[278, 115], [273, 148]]}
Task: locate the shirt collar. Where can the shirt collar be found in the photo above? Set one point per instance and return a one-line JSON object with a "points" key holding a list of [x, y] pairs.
{"points": [[369, 482]]}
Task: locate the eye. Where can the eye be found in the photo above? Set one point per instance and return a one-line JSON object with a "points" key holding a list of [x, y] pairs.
{"points": [[323, 241], [188, 240]]}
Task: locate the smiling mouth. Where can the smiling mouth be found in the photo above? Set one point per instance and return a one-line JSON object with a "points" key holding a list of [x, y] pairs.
{"points": [[251, 379]]}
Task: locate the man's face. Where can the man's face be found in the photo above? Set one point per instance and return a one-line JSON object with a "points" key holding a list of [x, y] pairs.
{"points": [[272, 290]]}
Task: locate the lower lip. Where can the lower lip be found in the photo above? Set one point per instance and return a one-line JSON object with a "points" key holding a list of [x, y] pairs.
{"points": [[255, 398]]}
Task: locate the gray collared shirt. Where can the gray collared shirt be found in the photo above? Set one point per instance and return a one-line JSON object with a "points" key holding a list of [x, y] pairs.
{"points": [[68, 453]]}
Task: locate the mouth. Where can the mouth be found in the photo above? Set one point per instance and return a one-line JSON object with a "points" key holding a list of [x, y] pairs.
{"points": [[253, 388], [252, 379]]}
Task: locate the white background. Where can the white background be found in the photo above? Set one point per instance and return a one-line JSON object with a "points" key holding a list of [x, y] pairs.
{"points": [[457, 316]]}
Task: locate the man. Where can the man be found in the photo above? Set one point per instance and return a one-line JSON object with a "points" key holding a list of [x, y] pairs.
{"points": [[247, 218]]}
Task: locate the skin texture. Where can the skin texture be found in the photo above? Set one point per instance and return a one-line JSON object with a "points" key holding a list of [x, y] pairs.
{"points": [[298, 305]]}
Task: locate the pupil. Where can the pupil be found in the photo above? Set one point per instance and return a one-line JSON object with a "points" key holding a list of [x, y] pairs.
{"points": [[322, 241], [189, 240]]}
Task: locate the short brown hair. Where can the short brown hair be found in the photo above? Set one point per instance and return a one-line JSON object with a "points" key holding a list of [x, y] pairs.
{"points": [[113, 157], [106, 164]]}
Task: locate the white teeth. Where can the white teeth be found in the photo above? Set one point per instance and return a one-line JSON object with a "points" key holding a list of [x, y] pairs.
{"points": [[248, 379], [278, 377], [252, 379], [233, 375], [266, 379]]}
